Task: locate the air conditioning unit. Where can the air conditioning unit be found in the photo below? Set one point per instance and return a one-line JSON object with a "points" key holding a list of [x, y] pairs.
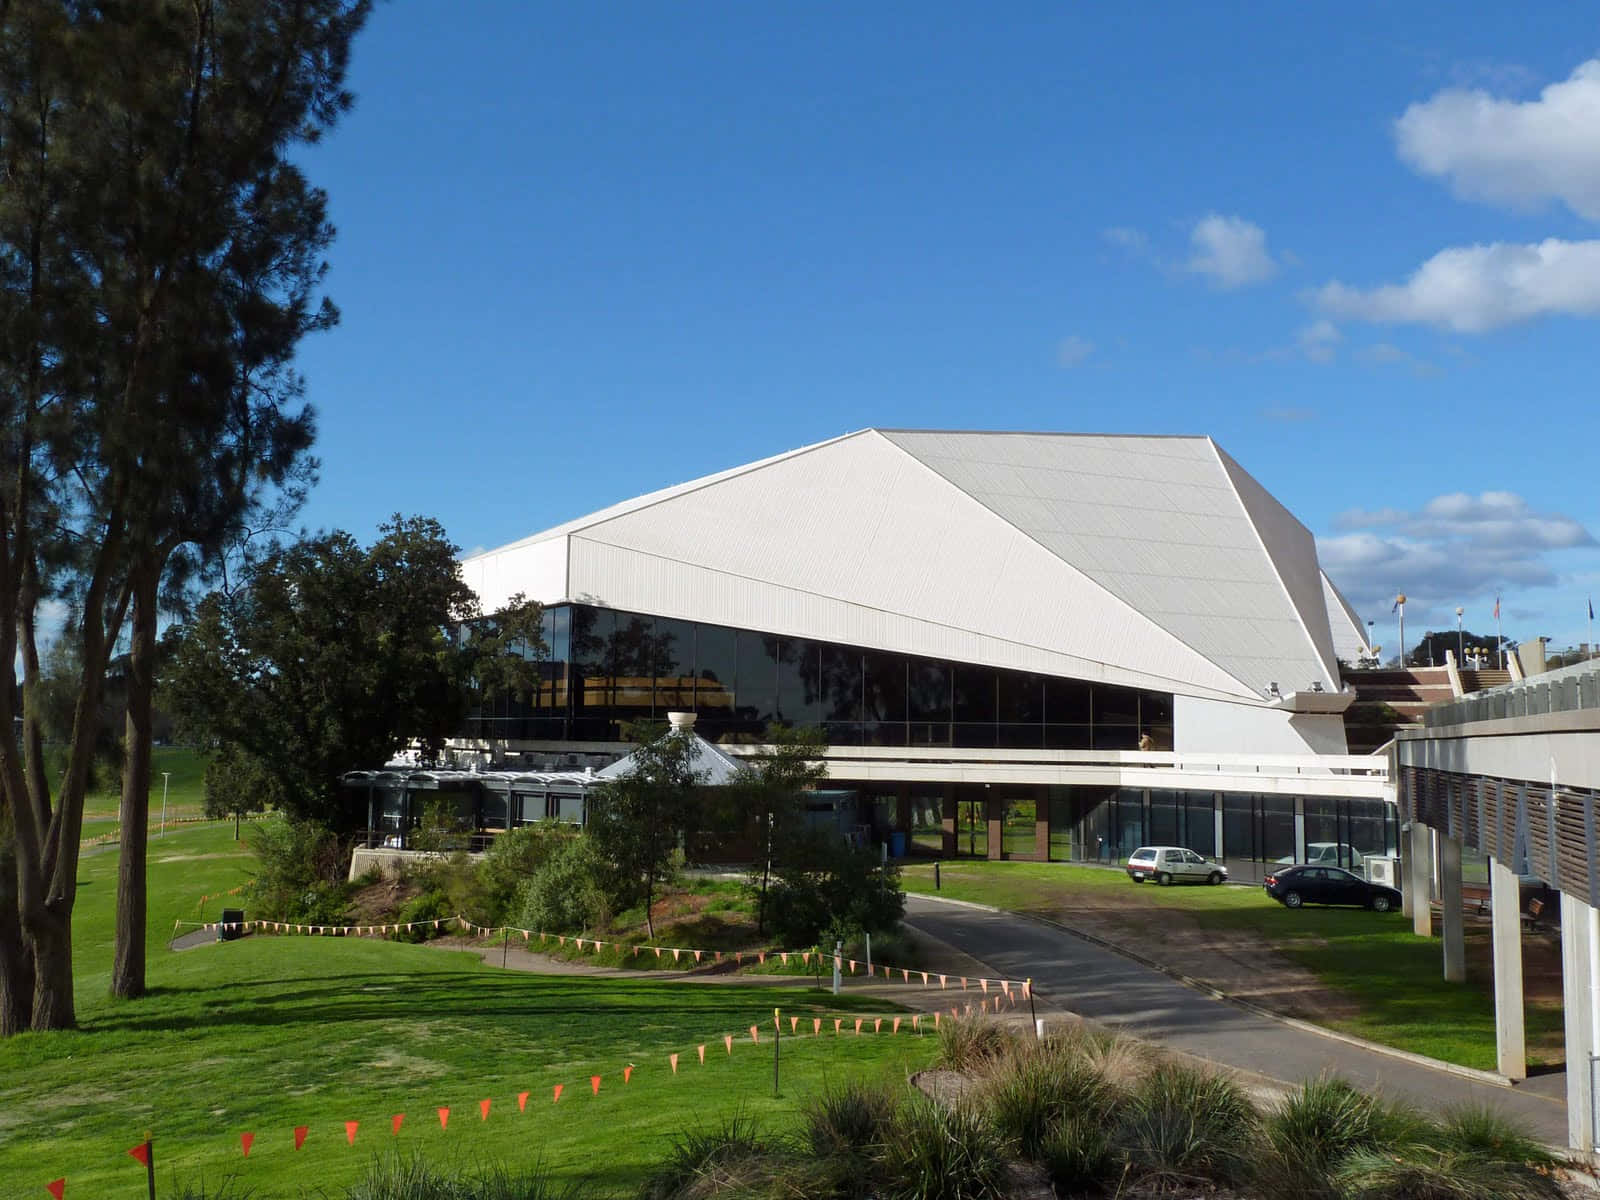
{"points": [[1384, 869]]}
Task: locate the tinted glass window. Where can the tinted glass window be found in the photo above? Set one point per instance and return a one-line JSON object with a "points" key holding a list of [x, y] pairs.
{"points": [[800, 682], [1067, 701], [757, 698], [974, 695], [885, 687], [716, 668], [928, 691], [841, 683], [673, 661]]}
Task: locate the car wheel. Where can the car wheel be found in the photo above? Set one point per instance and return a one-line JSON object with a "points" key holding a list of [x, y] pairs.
{"points": [[1381, 904], [1292, 900], [1163, 879], [1214, 878]]}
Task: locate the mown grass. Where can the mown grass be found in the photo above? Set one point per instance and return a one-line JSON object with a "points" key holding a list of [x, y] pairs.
{"points": [[185, 790], [1392, 976], [267, 1033]]}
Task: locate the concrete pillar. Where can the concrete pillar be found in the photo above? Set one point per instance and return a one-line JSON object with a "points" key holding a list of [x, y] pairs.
{"points": [[1578, 925], [1419, 873], [1041, 823], [1451, 917], [948, 824], [1510, 1037], [994, 813]]}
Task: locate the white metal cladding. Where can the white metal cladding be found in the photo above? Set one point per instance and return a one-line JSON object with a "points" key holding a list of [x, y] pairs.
{"points": [[1160, 523], [871, 547], [1129, 559], [1344, 624]]}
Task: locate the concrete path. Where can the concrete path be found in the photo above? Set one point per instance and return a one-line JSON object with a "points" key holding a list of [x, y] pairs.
{"points": [[1103, 986]]}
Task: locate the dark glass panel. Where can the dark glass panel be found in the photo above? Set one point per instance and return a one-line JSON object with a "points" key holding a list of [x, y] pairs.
{"points": [[975, 737], [1164, 819], [633, 667], [883, 733], [757, 696], [1239, 834], [841, 682], [927, 690], [842, 733], [1116, 737], [1129, 822], [1277, 828], [674, 666], [928, 733], [1020, 737], [716, 669], [1200, 813], [1021, 698], [1067, 701], [1115, 705], [1067, 737], [800, 682], [560, 639], [1155, 708], [974, 696], [884, 688], [592, 631]]}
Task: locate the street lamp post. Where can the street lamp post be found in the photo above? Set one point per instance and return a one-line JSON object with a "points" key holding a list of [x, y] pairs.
{"points": [[166, 777], [1371, 635], [1461, 657], [1400, 607]]}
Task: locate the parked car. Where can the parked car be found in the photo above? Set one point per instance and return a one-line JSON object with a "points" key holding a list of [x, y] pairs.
{"points": [[1305, 884], [1173, 864], [1328, 854]]}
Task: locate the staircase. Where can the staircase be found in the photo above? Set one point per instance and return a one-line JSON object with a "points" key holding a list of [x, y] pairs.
{"points": [[1389, 700], [1478, 681]]}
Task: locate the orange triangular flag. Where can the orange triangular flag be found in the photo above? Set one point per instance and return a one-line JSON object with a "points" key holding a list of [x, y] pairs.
{"points": [[525, 935], [697, 955], [896, 1028], [702, 1056], [985, 985], [858, 1026], [578, 942], [762, 957], [727, 1040], [675, 953], [924, 979], [794, 1024], [627, 1073], [246, 1140], [877, 1025], [300, 1132], [522, 1101], [837, 1021], [483, 1110], [755, 1033], [444, 1118], [657, 949], [350, 1128], [852, 966], [785, 958], [673, 1059], [905, 975], [594, 1082], [557, 1096], [963, 983], [936, 1019], [57, 1187], [816, 1025], [395, 1122], [1005, 986], [915, 1018]]}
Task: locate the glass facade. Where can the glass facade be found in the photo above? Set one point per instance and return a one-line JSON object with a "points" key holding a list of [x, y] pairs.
{"points": [[602, 668]]}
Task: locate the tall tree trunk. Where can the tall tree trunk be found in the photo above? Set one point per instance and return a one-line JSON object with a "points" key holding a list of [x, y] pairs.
{"points": [[128, 958], [53, 1002], [16, 956]]}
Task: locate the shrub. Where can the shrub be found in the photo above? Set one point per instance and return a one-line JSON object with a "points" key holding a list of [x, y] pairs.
{"points": [[429, 906], [825, 889], [938, 1153], [971, 1044], [730, 1156], [1041, 1086], [398, 1177], [1428, 1173], [300, 871], [1477, 1129], [513, 858], [850, 1119], [1185, 1124], [564, 894], [1078, 1156]]}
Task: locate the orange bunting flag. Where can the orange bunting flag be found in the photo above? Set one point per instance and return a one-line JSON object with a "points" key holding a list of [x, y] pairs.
{"points": [[794, 1024], [483, 1109], [141, 1152], [738, 958], [246, 1140], [942, 981], [673, 1059], [785, 957], [444, 1118], [1005, 986], [554, 1099], [905, 975], [438, 924], [805, 959], [594, 1082], [525, 935], [1027, 987], [924, 979], [578, 942], [697, 954], [563, 940], [57, 1188], [963, 983], [522, 1101], [675, 954], [877, 1025], [916, 1018], [657, 949], [394, 1124], [350, 1128], [718, 953], [852, 966], [727, 1040], [762, 957], [627, 1073], [300, 1132], [702, 1056], [816, 1025], [755, 1033], [837, 1021], [985, 984], [858, 1026], [896, 1028], [936, 1019]]}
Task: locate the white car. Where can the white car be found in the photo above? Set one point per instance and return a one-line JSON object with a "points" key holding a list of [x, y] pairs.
{"points": [[1328, 854], [1173, 864]]}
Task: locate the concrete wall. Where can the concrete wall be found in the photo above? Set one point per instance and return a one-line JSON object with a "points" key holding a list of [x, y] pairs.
{"points": [[1218, 727]]}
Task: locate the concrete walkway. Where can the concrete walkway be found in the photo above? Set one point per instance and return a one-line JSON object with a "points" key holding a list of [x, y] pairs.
{"points": [[1077, 976]]}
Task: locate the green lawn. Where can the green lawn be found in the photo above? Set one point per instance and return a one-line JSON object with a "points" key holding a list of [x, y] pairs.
{"points": [[185, 791], [267, 1033], [1393, 976]]}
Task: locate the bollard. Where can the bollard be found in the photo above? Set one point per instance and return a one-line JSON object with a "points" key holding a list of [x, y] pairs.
{"points": [[1038, 1028], [936, 875], [838, 952]]}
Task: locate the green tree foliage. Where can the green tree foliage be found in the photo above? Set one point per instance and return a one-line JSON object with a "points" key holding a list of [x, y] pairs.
{"points": [[160, 257], [825, 888], [329, 657], [638, 823], [564, 894], [1430, 650], [773, 787], [236, 786]]}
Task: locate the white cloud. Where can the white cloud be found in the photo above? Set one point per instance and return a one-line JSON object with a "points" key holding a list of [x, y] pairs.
{"points": [[1472, 289], [1230, 251], [1131, 240], [1074, 350], [1517, 153], [1454, 548], [1318, 341], [1386, 354]]}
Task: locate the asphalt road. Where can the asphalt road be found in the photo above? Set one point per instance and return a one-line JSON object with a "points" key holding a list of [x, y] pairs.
{"points": [[1099, 984]]}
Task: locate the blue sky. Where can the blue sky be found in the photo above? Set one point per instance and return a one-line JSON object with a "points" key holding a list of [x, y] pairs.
{"points": [[589, 250]]}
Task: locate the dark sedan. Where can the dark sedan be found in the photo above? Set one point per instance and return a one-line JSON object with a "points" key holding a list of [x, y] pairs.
{"points": [[1294, 886]]}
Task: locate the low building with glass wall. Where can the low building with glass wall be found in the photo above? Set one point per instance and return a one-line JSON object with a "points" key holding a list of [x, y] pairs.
{"points": [[1007, 638]]}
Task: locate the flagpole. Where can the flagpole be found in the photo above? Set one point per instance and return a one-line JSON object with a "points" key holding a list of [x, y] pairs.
{"points": [[1499, 639], [1591, 626]]}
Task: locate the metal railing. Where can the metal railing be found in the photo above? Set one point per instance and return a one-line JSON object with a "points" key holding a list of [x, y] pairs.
{"points": [[1566, 689]]}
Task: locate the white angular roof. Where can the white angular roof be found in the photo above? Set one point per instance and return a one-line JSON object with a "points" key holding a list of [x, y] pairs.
{"points": [[1148, 561]]}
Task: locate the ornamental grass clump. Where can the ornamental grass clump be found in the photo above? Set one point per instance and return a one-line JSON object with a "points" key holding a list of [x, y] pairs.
{"points": [[1429, 1173], [1029, 1094], [972, 1044], [1315, 1129], [1185, 1126], [850, 1120], [732, 1156], [942, 1153]]}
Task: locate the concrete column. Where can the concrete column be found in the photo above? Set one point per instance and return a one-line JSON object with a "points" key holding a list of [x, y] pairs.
{"points": [[1578, 926], [1041, 823], [948, 824], [1510, 1037], [1451, 917], [994, 812], [1419, 872], [1299, 829]]}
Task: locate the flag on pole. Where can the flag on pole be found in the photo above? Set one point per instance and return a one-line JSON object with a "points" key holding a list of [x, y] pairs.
{"points": [[1591, 608], [1497, 607]]}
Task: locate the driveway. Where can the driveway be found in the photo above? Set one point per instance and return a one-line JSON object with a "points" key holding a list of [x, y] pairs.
{"points": [[1078, 976]]}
